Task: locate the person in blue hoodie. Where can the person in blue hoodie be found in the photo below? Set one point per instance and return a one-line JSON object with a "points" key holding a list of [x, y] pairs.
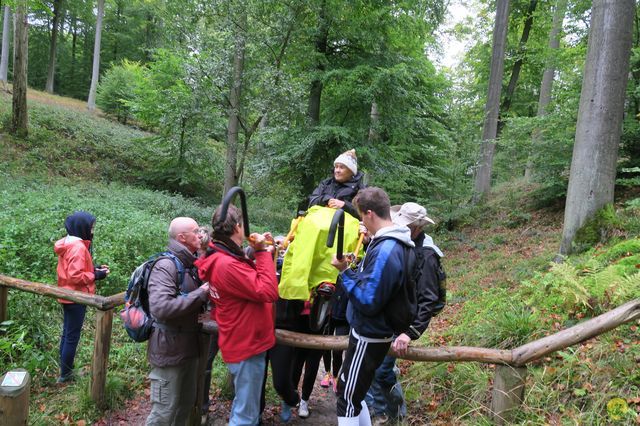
{"points": [[385, 398], [369, 290]]}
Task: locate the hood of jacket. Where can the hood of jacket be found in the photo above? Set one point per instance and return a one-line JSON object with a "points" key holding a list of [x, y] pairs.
{"points": [[355, 178], [79, 225], [64, 244], [182, 252], [400, 233], [428, 242]]}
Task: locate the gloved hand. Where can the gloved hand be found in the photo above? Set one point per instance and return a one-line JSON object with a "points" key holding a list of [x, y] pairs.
{"points": [[100, 273]]}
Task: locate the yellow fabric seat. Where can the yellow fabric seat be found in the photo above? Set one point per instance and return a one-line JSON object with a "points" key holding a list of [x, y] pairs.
{"points": [[307, 262]]}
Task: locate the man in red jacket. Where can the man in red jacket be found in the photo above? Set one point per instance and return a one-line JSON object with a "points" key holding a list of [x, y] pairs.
{"points": [[243, 292]]}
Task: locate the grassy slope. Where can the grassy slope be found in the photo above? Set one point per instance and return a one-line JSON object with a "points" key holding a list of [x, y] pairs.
{"points": [[74, 160], [504, 292]]}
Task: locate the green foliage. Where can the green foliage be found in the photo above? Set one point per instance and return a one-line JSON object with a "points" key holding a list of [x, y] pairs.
{"points": [[598, 229], [117, 88], [131, 225], [130, 31], [496, 321], [78, 144], [602, 281]]}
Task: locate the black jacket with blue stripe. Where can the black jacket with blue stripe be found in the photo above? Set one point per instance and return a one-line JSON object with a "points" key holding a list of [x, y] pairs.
{"points": [[371, 287]]}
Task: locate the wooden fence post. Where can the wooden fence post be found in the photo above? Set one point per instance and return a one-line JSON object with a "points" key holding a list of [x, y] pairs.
{"points": [[508, 393], [14, 401], [4, 303], [102, 344]]}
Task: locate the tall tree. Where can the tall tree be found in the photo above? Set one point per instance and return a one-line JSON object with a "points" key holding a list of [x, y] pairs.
{"points": [[4, 57], [20, 116], [546, 85], [595, 152], [482, 183], [233, 128], [95, 75], [375, 123], [320, 44], [517, 65], [57, 13]]}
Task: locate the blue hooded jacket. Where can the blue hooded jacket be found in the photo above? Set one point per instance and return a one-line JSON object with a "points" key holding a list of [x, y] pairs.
{"points": [[79, 225], [370, 289]]}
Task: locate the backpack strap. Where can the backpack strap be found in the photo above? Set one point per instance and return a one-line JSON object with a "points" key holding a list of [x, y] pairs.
{"points": [[179, 266]]}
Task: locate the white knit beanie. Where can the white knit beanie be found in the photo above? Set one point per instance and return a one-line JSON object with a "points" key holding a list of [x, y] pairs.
{"points": [[349, 159]]}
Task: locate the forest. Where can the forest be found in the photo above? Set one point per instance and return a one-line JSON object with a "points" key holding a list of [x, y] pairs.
{"points": [[525, 151]]}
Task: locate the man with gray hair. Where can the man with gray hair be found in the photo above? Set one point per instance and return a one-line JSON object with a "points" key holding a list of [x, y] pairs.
{"points": [[176, 297], [385, 398]]}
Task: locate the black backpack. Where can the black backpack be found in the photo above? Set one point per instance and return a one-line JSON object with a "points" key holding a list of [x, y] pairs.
{"points": [[441, 289], [403, 305], [135, 314]]}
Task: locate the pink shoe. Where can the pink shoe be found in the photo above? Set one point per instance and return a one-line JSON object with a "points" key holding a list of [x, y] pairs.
{"points": [[326, 381]]}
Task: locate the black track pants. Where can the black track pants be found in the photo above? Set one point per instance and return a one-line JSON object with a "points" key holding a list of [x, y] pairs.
{"points": [[362, 358]]}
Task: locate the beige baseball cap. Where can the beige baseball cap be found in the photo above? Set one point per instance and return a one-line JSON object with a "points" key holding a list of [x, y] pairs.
{"points": [[409, 213]]}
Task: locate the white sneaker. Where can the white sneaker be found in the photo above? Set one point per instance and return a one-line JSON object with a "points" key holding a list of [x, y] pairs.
{"points": [[303, 409]]}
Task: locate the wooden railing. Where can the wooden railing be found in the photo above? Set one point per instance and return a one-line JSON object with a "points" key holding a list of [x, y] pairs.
{"points": [[510, 374]]}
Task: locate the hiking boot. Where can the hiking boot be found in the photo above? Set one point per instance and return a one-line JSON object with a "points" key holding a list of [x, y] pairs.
{"points": [[285, 412], [65, 379], [380, 419], [303, 409]]}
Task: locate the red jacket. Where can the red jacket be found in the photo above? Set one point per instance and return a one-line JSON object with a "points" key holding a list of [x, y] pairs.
{"points": [[75, 266], [243, 294]]}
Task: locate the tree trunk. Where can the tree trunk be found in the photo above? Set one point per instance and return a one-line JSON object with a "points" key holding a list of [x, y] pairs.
{"points": [[233, 128], [595, 152], [74, 42], [6, 33], [547, 78], [20, 116], [315, 92], [482, 183], [57, 12], [91, 103], [517, 65], [117, 26], [374, 120], [148, 36]]}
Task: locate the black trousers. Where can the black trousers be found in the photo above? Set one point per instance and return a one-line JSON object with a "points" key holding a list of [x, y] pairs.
{"points": [[364, 355], [282, 358]]}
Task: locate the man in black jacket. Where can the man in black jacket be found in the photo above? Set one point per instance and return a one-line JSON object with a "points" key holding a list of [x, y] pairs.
{"points": [[385, 398]]}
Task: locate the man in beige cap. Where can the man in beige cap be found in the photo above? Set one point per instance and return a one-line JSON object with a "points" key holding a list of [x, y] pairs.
{"points": [[385, 398]]}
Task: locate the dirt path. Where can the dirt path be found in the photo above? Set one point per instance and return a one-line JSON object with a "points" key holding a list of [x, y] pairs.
{"points": [[322, 408]]}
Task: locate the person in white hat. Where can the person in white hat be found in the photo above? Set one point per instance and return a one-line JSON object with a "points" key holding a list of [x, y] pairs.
{"points": [[385, 398], [339, 190]]}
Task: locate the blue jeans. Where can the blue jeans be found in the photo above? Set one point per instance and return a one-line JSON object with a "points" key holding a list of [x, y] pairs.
{"points": [[248, 378], [71, 328], [385, 394]]}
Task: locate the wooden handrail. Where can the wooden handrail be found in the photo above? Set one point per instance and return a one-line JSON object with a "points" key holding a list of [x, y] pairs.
{"points": [[516, 357], [576, 334], [103, 303], [417, 353], [93, 300]]}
